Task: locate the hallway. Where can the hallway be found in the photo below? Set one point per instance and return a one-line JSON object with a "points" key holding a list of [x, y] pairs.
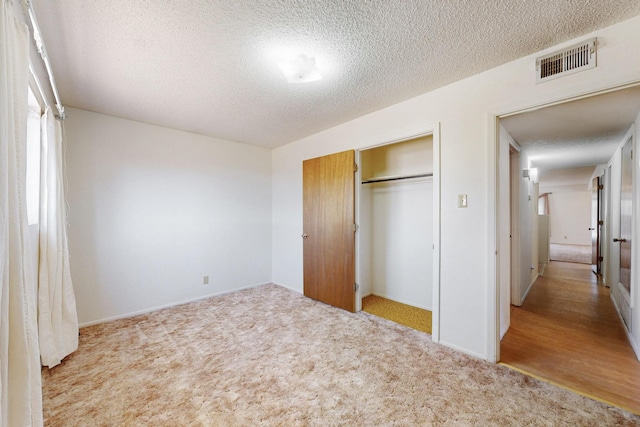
{"points": [[569, 333]]}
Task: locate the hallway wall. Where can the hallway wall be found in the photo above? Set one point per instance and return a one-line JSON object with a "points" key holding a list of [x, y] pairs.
{"points": [[569, 215]]}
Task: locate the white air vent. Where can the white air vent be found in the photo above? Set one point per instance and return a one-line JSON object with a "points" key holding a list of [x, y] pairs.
{"points": [[576, 58]]}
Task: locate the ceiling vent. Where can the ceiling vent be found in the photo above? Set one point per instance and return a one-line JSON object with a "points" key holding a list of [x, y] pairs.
{"points": [[575, 58]]}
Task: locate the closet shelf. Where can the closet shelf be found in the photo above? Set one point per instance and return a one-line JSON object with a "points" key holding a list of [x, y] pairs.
{"points": [[396, 178]]}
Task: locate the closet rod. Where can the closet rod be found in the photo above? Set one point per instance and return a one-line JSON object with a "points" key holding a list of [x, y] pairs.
{"points": [[397, 178]]}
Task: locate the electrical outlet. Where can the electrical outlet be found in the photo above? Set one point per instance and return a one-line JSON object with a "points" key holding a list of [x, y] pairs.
{"points": [[205, 280]]}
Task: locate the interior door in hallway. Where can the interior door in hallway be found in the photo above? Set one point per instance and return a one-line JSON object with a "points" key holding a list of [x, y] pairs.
{"points": [[626, 210], [329, 229], [596, 224]]}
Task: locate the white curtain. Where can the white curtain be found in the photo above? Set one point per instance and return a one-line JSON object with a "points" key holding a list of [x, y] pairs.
{"points": [[57, 316], [20, 381]]}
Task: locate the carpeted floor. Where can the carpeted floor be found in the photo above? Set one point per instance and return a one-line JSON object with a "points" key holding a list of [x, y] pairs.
{"points": [[268, 356], [570, 253], [404, 314]]}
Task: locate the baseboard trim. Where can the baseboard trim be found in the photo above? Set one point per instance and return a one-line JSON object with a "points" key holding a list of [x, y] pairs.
{"points": [[526, 293], [634, 344], [298, 291], [463, 350], [161, 307], [412, 304], [632, 340]]}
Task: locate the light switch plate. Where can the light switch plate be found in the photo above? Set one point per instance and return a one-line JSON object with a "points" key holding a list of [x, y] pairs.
{"points": [[462, 200]]}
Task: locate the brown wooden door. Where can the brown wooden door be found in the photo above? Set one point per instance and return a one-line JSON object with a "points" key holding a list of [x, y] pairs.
{"points": [[328, 222]]}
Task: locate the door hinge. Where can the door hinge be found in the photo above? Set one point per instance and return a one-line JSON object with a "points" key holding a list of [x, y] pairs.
{"points": [[600, 222], [601, 187], [355, 227], [600, 258], [355, 167], [355, 287]]}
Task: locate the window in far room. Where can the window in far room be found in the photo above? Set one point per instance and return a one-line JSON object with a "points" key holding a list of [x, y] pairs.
{"points": [[33, 159]]}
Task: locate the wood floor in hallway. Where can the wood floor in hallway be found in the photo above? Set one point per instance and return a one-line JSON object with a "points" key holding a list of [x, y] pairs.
{"points": [[568, 332]]}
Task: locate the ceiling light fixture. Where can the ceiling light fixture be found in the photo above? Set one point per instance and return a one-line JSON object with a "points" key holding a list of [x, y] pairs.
{"points": [[301, 69]]}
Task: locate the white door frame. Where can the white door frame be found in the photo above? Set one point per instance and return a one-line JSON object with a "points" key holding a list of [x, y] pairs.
{"points": [[495, 174], [434, 131], [514, 228]]}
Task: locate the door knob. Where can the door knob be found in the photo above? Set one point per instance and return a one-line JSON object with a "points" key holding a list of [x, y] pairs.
{"points": [[619, 240], [305, 235]]}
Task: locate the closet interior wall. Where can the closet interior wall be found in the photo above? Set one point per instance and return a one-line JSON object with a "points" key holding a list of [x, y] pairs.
{"points": [[396, 222]]}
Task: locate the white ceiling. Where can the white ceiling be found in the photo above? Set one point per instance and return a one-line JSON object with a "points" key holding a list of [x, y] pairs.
{"points": [[571, 178], [210, 67], [573, 135]]}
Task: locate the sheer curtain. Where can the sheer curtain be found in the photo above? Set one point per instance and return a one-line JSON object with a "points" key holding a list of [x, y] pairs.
{"points": [[20, 383], [57, 317]]}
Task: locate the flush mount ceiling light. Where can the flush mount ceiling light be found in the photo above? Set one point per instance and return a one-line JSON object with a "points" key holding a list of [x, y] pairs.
{"points": [[301, 69]]}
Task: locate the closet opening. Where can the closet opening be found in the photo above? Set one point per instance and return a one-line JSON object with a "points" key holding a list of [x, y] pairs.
{"points": [[395, 241]]}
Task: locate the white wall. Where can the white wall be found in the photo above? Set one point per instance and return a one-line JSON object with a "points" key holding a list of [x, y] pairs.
{"points": [[412, 157], [527, 231], [364, 245], [517, 217], [524, 207], [570, 215], [534, 239], [464, 111], [401, 241], [153, 210], [635, 265], [543, 239]]}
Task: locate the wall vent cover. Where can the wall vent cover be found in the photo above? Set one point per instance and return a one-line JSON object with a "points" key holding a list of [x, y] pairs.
{"points": [[579, 57]]}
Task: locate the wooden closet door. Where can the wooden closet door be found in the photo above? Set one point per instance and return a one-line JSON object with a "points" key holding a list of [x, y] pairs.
{"points": [[328, 222]]}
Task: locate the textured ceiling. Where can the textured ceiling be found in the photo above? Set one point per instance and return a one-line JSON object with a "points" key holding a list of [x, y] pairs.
{"points": [[210, 67], [575, 134], [575, 178]]}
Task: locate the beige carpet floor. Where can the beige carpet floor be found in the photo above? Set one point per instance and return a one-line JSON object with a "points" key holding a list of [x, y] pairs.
{"points": [[268, 356], [570, 253]]}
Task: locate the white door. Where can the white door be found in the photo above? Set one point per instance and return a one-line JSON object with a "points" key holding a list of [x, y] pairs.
{"points": [[626, 209]]}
